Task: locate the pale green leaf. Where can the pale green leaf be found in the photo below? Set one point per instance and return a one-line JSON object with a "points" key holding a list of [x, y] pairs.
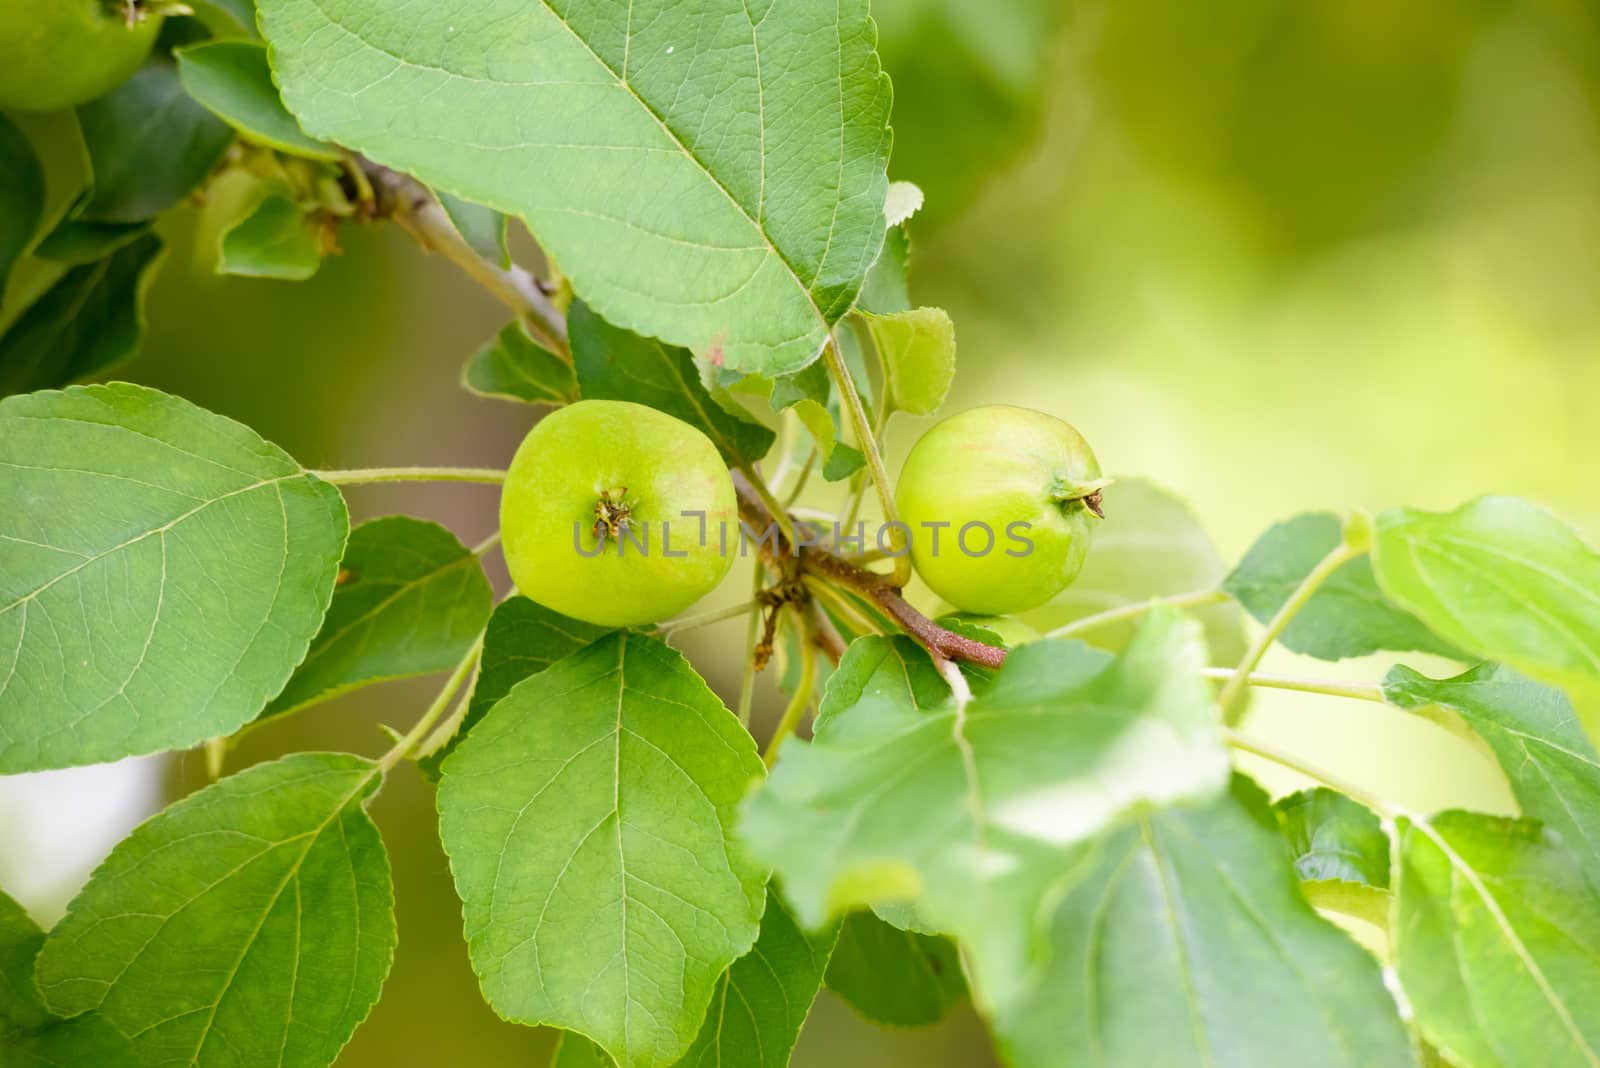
{"points": [[523, 638], [705, 172], [231, 79], [1535, 736], [1501, 578], [486, 230], [1348, 616], [918, 353], [1150, 544], [614, 364], [973, 813], [411, 599], [276, 240], [162, 571], [588, 819], [1340, 853], [89, 322], [30, 1036], [515, 367], [1497, 943], [149, 145], [1183, 943], [895, 977], [250, 923], [21, 196]]}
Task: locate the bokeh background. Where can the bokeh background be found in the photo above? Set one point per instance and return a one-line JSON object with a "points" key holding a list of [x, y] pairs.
{"points": [[1277, 254]]}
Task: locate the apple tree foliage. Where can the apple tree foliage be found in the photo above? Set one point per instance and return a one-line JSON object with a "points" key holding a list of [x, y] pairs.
{"points": [[1057, 831]]}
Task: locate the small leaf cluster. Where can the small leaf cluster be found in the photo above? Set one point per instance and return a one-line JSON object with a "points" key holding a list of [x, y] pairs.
{"points": [[1056, 830]]}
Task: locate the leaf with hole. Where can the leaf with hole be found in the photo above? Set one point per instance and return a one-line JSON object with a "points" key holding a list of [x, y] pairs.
{"points": [[162, 571], [274, 878], [706, 173]]}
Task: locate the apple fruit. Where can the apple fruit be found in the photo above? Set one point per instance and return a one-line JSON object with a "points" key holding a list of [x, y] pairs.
{"points": [[617, 514], [999, 502]]}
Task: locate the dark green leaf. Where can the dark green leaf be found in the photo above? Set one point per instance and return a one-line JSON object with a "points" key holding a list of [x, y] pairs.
{"points": [[89, 322], [705, 173], [809, 394], [1497, 943], [1340, 853], [411, 599], [1349, 616], [250, 923], [486, 230], [1150, 544], [588, 820], [1501, 578], [1183, 943], [523, 639], [76, 241], [1535, 736], [276, 240], [232, 80], [516, 367], [975, 814], [149, 144], [613, 364], [895, 977], [21, 196], [162, 571], [28, 1032]]}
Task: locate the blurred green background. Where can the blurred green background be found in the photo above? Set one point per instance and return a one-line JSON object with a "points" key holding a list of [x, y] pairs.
{"points": [[1277, 255]]}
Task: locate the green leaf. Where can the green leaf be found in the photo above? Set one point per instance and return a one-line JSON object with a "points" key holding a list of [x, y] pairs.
{"points": [[1497, 943], [250, 923], [706, 174], [1340, 853], [227, 16], [973, 814], [21, 196], [1501, 578], [411, 599], [1348, 616], [149, 144], [515, 367], [588, 820], [76, 241], [486, 230], [232, 80], [613, 364], [523, 639], [895, 977], [810, 394], [1186, 945], [1150, 544], [89, 322], [162, 571], [1536, 737], [27, 1029], [575, 1051], [887, 288], [276, 240], [918, 351]]}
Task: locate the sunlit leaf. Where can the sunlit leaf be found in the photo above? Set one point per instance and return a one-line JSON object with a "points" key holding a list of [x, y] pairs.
{"points": [[411, 599], [895, 977], [231, 79], [1498, 943], [250, 923], [1501, 578], [588, 819], [705, 173], [89, 322], [918, 352], [149, 144], [614, 364], [21, 196], [162, 571]]}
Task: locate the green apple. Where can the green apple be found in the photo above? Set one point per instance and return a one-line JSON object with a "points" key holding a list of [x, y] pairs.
{"points": [[999, 501], [617, 514], [61, 53]]}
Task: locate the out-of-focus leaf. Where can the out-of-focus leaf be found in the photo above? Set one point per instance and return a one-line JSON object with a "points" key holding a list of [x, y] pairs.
{"points": [[887, 288], [515, 367], [90, 321], [895, 977], [232, 80], [486, 230], [1340, 853], [21, 196], [76, 241], [276, 240]]}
